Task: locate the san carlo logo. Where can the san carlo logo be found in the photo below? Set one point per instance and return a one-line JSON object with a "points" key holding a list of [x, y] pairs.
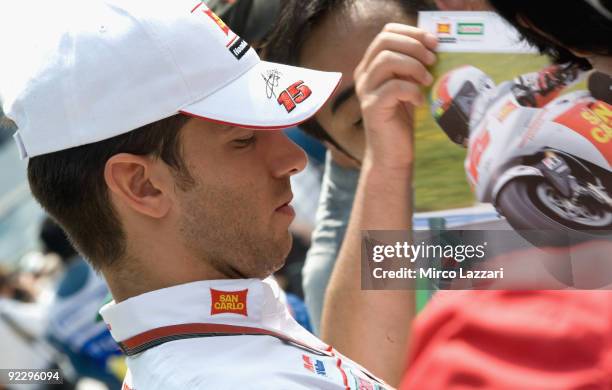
{"points": [[236, 45], [234, 302]]}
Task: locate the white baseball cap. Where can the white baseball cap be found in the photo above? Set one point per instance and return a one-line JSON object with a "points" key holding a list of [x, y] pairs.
{"points": [[79, 72]]}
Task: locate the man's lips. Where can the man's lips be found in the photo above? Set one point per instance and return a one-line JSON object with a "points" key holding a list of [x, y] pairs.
{"points": [[286, 208], [287, 199]]}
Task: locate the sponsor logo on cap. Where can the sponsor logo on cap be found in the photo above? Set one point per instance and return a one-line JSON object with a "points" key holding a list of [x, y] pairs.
{"points": [[316, 367], [295, 94], [444, 28], [217, 21], [239, 48], [236, 45], [234, 302], [470, 28]]}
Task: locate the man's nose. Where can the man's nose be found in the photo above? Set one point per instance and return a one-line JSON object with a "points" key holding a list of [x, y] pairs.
{"points": [[287, 158]]}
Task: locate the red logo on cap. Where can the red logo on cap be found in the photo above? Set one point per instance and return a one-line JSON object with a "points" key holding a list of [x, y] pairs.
{"points": [[228, 302], [218, 21], [294, 95], [214, 17]]}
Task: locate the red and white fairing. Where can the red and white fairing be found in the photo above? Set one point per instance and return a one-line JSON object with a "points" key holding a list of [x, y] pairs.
{"points": [[575, 123]]}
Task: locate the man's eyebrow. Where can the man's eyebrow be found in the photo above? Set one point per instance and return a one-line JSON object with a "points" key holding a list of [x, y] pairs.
{"points": [[343, 96], [235, 131], [229, 132]]}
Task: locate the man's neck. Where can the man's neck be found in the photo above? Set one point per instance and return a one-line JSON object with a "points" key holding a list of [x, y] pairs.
{"points": [[130, 277]]}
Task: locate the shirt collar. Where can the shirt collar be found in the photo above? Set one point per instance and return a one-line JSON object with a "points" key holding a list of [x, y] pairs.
{"points": [[244, 302]]}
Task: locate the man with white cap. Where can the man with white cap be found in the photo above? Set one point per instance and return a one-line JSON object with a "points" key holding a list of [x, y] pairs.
{"points": [[140, 120]]}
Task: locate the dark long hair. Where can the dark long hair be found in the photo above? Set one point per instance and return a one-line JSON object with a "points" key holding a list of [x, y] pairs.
{"points": [[572, 24], [297, 19]]}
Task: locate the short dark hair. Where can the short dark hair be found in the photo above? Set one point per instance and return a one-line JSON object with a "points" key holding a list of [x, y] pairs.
{"points": [[297, 19], [70, 185], [573, 24], [54, 240]]}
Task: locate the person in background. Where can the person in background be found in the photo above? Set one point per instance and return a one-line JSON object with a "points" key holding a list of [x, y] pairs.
{"points": [[316, 34], [22, 327], [14, 286], [334, 35], [73, 327]]}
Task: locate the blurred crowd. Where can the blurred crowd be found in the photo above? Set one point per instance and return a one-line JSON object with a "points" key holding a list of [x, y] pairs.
{"points": [[48, 314]]}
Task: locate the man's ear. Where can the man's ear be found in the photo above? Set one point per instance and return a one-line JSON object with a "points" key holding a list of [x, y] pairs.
{"points": [[141, 183]]}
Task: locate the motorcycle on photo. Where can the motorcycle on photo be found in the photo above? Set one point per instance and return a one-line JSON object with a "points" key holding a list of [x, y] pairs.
{"points": [[542, 158]]}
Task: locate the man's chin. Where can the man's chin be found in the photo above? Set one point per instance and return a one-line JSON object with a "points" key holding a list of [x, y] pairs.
{"points": [[269, 271], [274, 260], [280, 258]]}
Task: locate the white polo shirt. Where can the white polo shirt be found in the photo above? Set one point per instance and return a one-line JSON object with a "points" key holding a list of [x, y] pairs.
{"points": [[225, 334]]}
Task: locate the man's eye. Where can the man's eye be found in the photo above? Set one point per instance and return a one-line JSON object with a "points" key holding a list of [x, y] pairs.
{"points": [[359, 123], [244, 142]]}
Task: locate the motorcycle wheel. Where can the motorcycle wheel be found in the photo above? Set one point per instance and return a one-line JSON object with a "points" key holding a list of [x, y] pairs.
{"points": [[545, 218]]}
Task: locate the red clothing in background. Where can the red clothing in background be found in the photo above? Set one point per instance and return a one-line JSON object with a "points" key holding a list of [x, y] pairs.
{"points": [[512, 340]]}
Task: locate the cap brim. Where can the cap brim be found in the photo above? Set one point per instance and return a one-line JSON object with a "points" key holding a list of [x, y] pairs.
{"points": [[268, 96]]}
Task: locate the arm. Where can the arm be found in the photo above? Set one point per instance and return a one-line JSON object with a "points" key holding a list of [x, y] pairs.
{"points": [[372, 327]]}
